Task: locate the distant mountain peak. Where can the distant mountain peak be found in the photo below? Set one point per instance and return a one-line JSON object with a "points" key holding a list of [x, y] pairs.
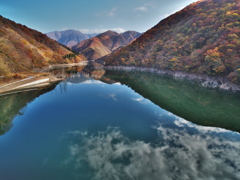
{"points": [[69, 37], [108, 33], [104, 43]]}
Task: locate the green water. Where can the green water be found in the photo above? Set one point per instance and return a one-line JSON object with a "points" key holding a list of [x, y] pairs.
{"points": [[103, 129], [203, 106]]}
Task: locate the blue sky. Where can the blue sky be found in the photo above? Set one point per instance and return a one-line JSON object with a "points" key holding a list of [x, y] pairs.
{"points": [[89, 15]]}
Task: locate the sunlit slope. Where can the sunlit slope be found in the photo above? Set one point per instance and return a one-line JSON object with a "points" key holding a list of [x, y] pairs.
{"points": [[22, 49], [204, 38]]}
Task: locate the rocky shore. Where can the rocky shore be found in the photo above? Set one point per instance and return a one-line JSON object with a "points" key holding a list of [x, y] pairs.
{"points": [[203, 79]]}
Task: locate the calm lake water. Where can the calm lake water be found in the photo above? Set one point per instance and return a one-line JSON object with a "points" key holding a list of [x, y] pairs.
{"points": [[102, 129]]}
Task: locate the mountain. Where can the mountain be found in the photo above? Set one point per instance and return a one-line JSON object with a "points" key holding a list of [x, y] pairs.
{"points": [[204, 38], [23, 49], [69, 37], [104, 43]]}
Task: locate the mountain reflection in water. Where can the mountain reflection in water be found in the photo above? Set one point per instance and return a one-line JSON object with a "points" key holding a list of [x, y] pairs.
{"points": [[101, 129], [200, 105], [14, 104]]}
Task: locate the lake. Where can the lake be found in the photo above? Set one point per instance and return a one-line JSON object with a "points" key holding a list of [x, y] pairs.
{"points": [[120, 125]]}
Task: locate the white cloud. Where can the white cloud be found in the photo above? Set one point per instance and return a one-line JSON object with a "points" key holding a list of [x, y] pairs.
{"points": [[101, 30], [180, 122], [145, 7], [179, 155], [92, 81], [113, 96], [142, 8], [110, 13], [141, 100], [138, 99], [78, 133], [87, 81]]}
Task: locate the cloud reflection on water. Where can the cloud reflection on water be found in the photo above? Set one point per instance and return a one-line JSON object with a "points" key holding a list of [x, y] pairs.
{"points": [[206, 153]]}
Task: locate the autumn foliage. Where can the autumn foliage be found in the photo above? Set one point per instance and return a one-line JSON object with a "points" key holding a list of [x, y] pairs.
{"points": [[23, 49], [104, 43], [204, 38]]}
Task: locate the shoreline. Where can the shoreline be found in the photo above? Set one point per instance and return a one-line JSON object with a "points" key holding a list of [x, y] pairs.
{"points": [[37, 81], [67, 65], [28, 84], [203, 79]]}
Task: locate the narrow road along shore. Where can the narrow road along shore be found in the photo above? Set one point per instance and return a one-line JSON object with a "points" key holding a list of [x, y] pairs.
{"points": [[31, 83], [16, 82]]}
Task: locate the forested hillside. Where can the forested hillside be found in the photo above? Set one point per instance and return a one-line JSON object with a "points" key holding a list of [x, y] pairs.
{"points": [[23, 49], [204, 38], [104, 43]]}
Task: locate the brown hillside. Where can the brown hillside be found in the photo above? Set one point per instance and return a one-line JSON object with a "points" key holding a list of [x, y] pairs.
{"points": [[104, 44], [22, 49], [203, 38]]}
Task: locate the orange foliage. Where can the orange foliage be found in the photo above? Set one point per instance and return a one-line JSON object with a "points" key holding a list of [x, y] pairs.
{"points": [[204, 37]]}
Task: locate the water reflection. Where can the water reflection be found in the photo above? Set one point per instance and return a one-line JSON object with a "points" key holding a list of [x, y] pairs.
{"points": [[92, 69], [209, 107], [185, 151], [15, 104], [88, 129]]}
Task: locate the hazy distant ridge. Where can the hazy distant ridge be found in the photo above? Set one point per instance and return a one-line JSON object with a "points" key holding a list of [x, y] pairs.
{"points": [[69, 37]]}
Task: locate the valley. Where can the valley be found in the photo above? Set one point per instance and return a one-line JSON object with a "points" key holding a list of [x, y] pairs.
{"points": [[120, 90]]}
